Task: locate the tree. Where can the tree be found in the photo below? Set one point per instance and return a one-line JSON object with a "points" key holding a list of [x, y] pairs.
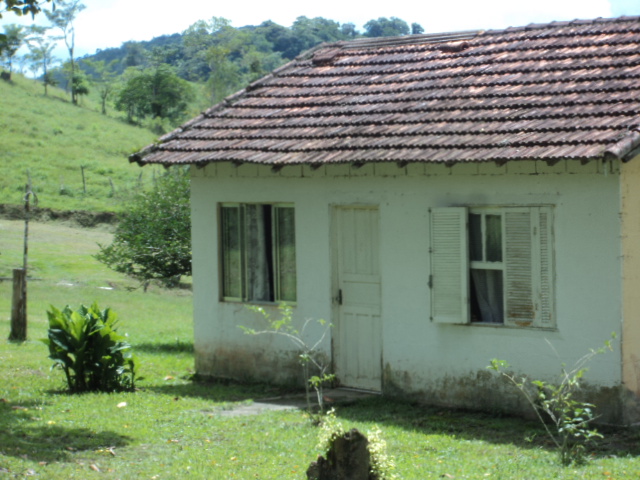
{"points": [[416, 29], [224, 75], [23, 7], [103, 77], [156, 92], [62, 18], [41, 54], [348, 30], [135, 54], [385, 27], [153, 239], [13, 38]]}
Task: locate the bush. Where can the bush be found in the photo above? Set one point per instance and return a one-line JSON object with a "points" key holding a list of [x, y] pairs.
{"points": [[153, 239], [86, 346]]}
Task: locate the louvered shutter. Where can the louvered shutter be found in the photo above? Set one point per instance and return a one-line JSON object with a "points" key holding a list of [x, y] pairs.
{"points": [[449, 265], [543, 295], [528, 267], [518, 267]]}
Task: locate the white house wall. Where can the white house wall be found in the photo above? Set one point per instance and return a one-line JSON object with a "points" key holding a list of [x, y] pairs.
{"points": [[444, 364]]}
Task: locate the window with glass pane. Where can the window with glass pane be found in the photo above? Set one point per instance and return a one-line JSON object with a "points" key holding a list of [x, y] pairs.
{"points": [[487, 270], [258, 252], [231, 252]]}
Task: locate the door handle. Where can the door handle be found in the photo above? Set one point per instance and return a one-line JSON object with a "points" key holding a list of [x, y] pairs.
{"points": [[339, 297]]}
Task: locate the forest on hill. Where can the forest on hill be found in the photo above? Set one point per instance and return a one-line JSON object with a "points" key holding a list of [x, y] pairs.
{"points": [[159, 83]]}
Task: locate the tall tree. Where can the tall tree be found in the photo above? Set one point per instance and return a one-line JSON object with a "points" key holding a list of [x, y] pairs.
{"points": [[224, 77], [13, 38], [41, 53], [63, 18], [103, 77]]}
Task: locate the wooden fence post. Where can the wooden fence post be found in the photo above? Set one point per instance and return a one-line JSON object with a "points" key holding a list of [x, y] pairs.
{"points": [[84, 182], [19, 306]]}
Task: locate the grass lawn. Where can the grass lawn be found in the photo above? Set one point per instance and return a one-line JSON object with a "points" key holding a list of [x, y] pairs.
{"points": [[54, 141], [175, 428]]}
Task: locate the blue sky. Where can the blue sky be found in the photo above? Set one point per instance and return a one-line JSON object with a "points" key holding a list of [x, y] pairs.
{"points": [[109, 23]]}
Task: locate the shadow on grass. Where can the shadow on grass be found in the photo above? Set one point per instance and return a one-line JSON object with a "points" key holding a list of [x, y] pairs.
{"points": [[174, 347], [222, 391], [474, 426], [24, 435]]}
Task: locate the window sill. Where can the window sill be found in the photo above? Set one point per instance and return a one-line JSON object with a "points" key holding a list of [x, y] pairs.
{"points": [[513, 327], [257, 303]]}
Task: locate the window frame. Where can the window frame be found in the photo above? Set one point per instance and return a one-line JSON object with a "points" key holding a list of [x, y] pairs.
{"points": [[485, 264], [274, 262], [527, 254]]}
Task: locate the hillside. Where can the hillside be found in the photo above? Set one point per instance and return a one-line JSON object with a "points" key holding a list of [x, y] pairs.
{"points": [[52, 139]]}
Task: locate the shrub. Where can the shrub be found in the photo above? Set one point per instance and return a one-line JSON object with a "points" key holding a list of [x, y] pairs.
{"points": [[85, 344], [153, 238]]}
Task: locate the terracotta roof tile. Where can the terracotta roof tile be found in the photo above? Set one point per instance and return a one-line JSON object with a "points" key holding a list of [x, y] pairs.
{"points": [[547, 92]]}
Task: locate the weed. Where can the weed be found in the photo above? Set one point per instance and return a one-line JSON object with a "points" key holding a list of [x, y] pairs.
{"points": [[570, 417], [309, 355]]}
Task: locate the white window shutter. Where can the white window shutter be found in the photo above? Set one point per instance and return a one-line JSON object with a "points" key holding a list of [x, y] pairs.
{"points": [[543, 295], [449, 265], [529, 267], [519, 280]]}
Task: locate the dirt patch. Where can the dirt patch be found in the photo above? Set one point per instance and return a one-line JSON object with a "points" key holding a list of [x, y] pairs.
{"points": [[333, 396], [79, 217]]}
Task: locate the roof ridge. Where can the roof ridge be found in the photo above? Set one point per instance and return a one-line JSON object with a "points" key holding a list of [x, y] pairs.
{"points": [[456, 36]]}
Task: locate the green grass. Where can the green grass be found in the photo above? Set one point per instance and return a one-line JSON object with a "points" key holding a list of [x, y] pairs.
{"points": [[52, 139], [175, 428]]}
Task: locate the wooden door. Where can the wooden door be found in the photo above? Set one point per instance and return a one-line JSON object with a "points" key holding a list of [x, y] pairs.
{"points": [[357, 340]]}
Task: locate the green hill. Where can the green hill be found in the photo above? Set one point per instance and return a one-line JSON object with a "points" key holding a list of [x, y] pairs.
{"points": [[55, 141]]}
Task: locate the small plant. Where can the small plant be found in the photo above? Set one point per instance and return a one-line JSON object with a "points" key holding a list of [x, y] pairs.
{"points": [[309, 355], [382, 464], [570, 418], [84, 343]]}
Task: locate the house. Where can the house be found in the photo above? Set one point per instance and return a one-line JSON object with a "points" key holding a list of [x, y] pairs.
{"points": [[443, 200]]}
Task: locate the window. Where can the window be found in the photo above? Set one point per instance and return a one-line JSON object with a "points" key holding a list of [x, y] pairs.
{"points": [[258, 255], [492, 265]]}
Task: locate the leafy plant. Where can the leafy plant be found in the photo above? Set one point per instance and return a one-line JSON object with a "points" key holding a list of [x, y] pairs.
{"points": [[556, 403], [85, 344], [309, 356]]}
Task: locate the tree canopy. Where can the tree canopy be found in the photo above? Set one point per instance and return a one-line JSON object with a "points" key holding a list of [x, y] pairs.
{"points": [[155, 92], [24, 7]]}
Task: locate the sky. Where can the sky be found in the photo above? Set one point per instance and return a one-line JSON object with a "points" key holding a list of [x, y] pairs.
{"points": [[109, 23]]}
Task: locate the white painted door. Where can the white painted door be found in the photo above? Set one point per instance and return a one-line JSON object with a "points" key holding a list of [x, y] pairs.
{"points": [[357, 341]]}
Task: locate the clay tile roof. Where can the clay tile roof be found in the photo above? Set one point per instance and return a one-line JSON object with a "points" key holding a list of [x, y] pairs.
{"points": [[546, 92]]}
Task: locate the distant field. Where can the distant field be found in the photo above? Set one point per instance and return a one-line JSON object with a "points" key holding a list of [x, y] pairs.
{"points": [[52, 140], [62, 271]]}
